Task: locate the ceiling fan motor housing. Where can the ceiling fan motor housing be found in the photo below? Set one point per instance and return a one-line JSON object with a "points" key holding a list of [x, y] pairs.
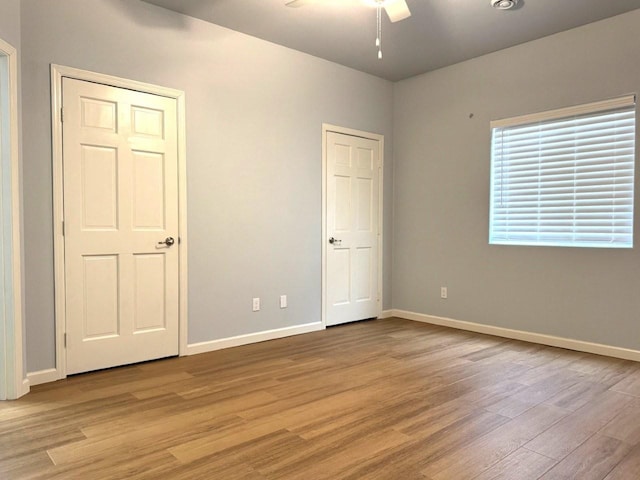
{"points": [[503, 4]]}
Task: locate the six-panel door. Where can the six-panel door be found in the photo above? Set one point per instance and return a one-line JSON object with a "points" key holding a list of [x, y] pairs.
{"points": [[120, 201], [353, 173]]}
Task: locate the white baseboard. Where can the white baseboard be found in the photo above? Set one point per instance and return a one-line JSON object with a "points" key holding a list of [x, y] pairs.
{"points": [[25, 387], [51, 374], [568, 343], [386, 314], [43, 376], [212, 345]]}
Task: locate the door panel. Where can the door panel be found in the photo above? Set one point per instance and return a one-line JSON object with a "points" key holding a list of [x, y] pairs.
{"points": [[365, 200], [340, 275], [353, 176], [150, 277], [362, 287], [98, 114], [148, 191], [99, 166], [120, 200], [147, 122], [342, 215], [100, 312]]}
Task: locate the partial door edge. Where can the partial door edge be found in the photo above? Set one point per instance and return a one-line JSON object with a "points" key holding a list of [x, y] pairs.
{"points": [[58, 72], [13, 381], [326, 128]]}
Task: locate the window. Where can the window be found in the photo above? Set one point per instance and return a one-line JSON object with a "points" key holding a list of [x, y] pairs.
{"points": [[565, 177]]}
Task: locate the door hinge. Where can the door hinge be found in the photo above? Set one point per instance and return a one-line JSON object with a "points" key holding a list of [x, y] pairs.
{"points": [[61, 114], [63, 230], [65, 340]]}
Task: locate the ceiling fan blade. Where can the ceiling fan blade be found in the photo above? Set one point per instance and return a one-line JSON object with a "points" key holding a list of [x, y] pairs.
{"points": [[298, 3], [397, 10]]}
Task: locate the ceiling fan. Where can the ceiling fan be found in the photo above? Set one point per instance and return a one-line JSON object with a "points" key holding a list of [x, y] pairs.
{"points": [[396, 10]]}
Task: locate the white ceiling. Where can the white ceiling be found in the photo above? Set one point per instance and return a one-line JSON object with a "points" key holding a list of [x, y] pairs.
{"points": [[439, 32]]}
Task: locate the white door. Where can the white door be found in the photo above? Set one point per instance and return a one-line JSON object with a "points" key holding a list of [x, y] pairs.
{"points": [[120, 201], [353, 175]]}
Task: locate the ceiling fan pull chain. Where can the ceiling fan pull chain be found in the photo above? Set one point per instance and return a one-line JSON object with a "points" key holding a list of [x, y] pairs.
{"points": [[379, 28]]}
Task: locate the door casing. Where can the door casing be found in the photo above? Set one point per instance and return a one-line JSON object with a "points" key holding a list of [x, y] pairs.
{"points": [[13, 383], [57, 73], [355, 133]]}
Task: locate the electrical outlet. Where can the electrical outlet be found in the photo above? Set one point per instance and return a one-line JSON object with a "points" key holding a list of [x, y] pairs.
{"points": [[283, 301], [443, 292], [256, 304]]}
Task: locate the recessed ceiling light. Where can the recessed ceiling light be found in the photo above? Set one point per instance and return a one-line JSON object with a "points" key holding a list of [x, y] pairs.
{"points": [[503, 4]]}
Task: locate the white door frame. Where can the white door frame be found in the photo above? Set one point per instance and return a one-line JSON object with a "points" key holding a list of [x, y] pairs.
{"points": [[13, 383], [57, 73], [354, 133]]}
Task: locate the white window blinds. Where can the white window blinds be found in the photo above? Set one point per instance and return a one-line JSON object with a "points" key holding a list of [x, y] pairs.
{"points": [[565, 177]]}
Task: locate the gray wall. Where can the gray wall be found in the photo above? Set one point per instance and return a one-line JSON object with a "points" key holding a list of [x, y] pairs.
{"points": [[254, 115], [10, 22], [441, 204]]}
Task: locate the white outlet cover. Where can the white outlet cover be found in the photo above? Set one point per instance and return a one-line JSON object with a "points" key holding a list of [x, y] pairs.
{"points": [[283, 301], [256, 304]]}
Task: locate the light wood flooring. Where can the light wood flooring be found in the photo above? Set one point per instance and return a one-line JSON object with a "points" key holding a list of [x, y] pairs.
{"points": [[386, 399]]}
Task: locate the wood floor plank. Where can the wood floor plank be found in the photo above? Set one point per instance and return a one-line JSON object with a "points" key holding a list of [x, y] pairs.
{"points": [[626, 425], [564, 437], [21, 466], [386, 400], [629, 385], [592, 460], [488, 450], [577, 395], [628, 468], [328, 467], [522, 464]]}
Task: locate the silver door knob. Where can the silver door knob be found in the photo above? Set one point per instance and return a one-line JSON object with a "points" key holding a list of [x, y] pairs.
{"points": [[167, 241]]}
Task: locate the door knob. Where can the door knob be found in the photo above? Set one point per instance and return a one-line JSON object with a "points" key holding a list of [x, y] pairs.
{"points": [[334, 241], [167, 241]]}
